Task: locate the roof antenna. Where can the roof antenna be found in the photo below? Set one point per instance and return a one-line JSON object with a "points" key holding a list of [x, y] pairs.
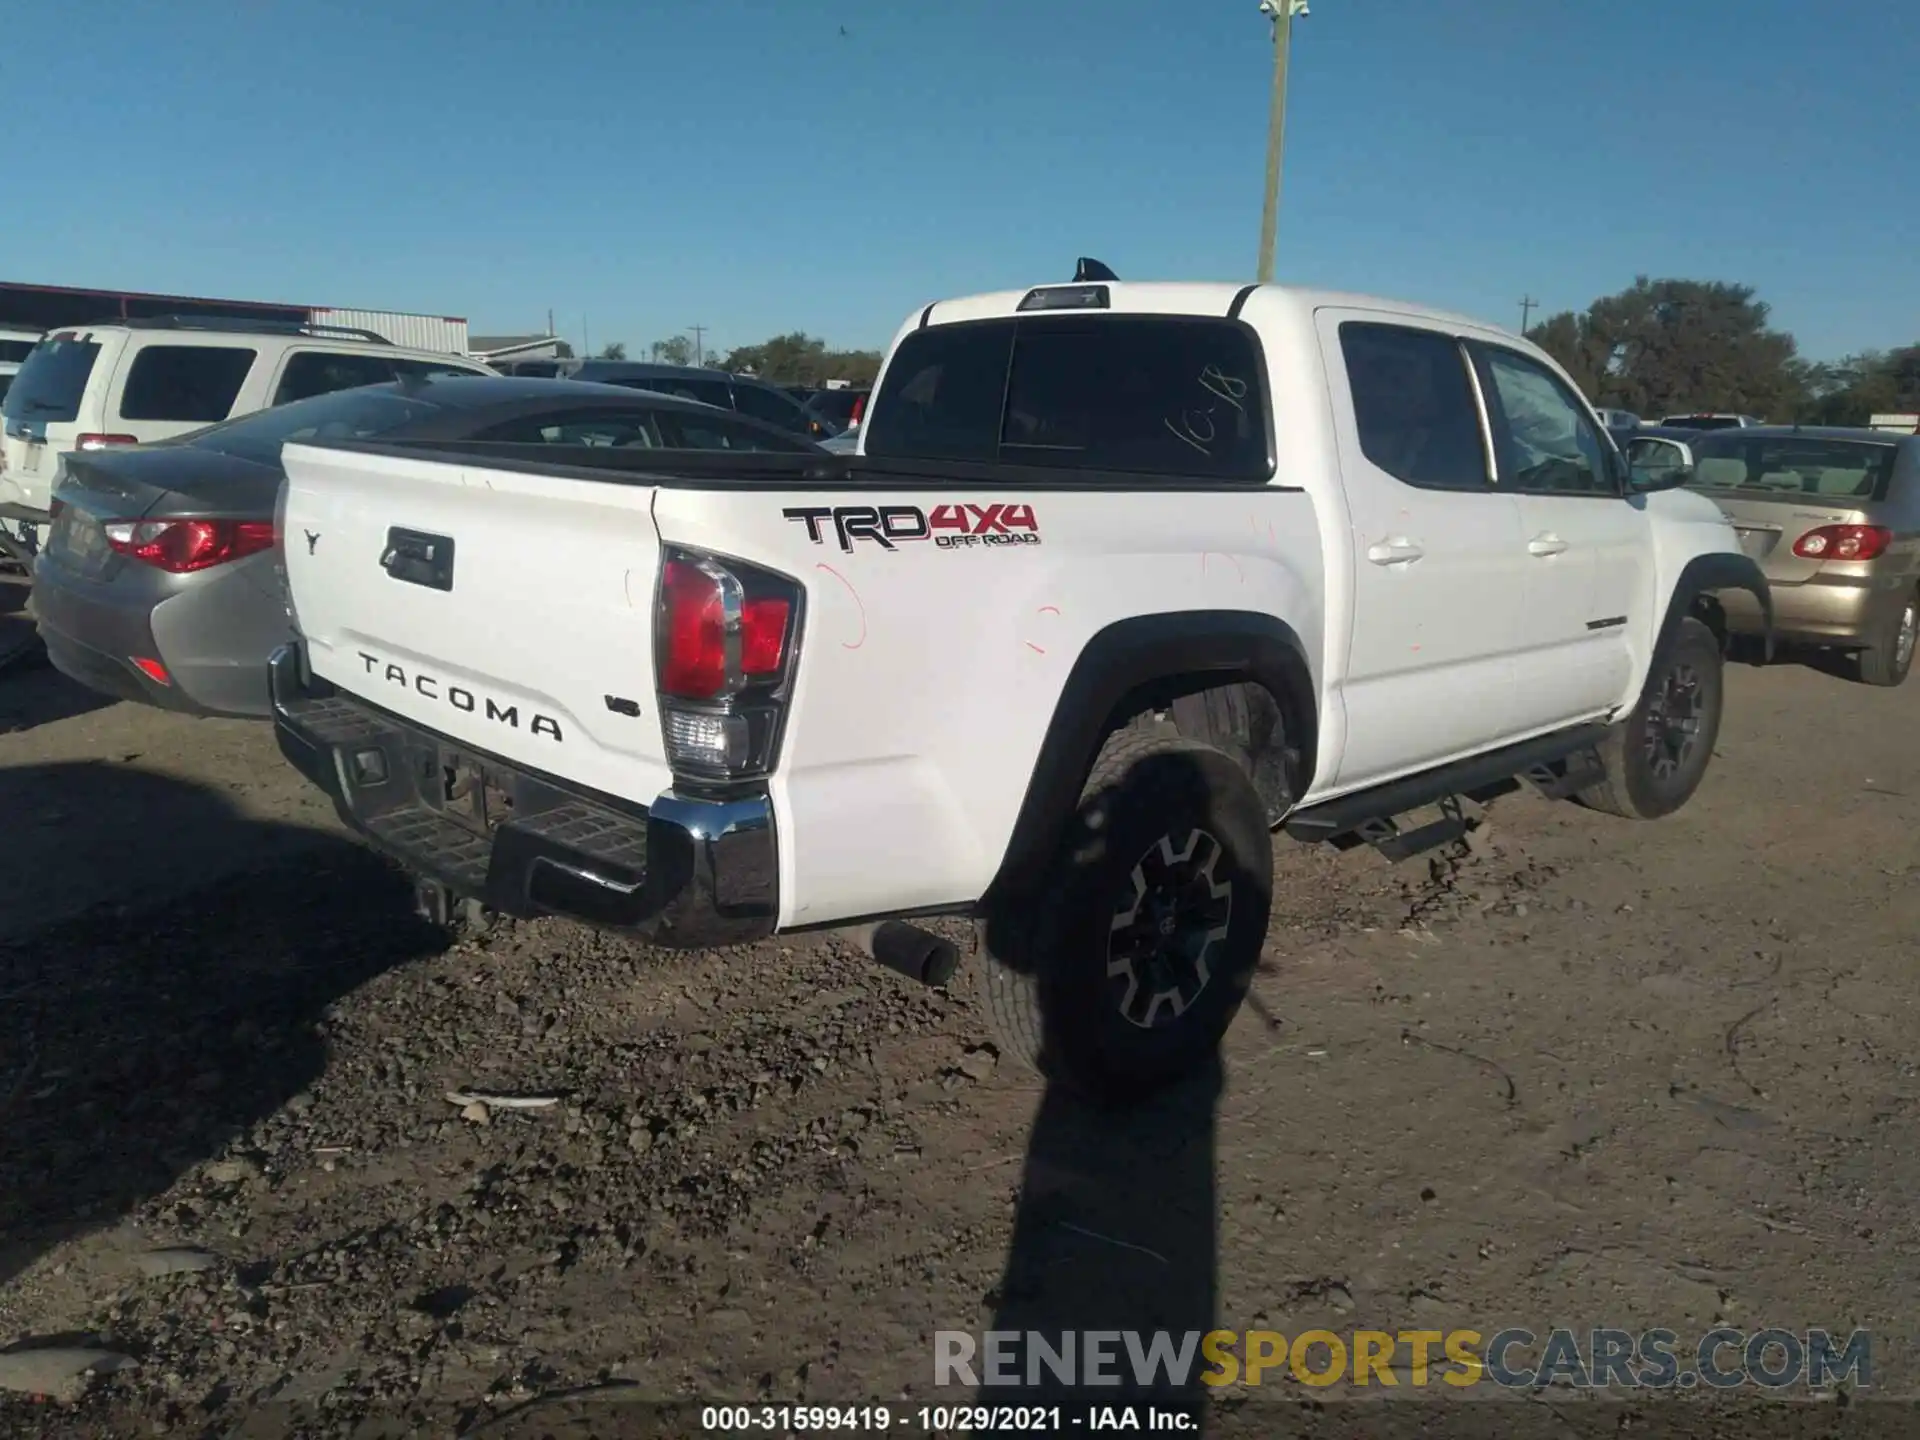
{"points": [[1090, 270]]}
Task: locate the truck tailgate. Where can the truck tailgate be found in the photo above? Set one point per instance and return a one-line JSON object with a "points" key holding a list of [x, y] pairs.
{"points": [[509, 611]]}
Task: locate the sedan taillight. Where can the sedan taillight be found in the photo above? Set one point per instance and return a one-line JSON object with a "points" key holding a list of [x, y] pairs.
{"points": [[182, 546], [1843, 542]]}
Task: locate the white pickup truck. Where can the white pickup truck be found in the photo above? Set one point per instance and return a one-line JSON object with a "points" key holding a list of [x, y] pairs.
{"points": [[1124, 579]]}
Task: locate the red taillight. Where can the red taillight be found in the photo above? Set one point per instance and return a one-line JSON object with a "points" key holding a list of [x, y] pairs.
{"points": [[1843, 542], [695, 599], [763, 636], [694, 665], [102, 442], [54, 507], [183, 546], [153, 670], [723, 651], [859, 409]]}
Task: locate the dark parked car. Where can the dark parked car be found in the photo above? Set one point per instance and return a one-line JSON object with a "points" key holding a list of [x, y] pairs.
{"points": [[160, 578], [743, 393], [840, 408]]}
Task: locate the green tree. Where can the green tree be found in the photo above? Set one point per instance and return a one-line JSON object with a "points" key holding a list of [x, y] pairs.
{"points": [[1853, 390], [1661, 346], [616, 351], [674, 350], [801, 359]]}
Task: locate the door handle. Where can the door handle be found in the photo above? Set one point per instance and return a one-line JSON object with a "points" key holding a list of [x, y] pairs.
{"points": [[417, 558], [1395, 551], [1546, 545]]}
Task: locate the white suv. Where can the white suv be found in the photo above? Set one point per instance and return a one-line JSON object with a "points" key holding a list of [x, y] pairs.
{"points": [[87, 387]]}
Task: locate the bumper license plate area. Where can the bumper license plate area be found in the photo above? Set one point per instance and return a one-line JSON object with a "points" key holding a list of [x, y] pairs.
{"points": [[465, 791]]}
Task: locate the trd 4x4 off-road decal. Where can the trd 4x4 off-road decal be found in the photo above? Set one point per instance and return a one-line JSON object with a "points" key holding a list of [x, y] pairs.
{"points": [[951, 527]]}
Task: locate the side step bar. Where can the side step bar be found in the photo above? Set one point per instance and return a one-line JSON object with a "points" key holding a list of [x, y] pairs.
{"points": [[1557, 765]]}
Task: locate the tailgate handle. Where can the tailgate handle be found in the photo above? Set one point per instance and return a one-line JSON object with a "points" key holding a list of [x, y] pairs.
{"points": [[417, 558]]}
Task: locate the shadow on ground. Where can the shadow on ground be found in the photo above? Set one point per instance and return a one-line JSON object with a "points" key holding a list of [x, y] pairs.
{"points": [[135, 1045]]}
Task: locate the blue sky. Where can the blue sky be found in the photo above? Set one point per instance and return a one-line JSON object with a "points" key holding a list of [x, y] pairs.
{"points": [[741, 165]]}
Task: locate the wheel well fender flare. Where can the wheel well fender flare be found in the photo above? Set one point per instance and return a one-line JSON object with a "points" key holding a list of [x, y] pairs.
{"points": [[1137, 663], [1701, 577]]}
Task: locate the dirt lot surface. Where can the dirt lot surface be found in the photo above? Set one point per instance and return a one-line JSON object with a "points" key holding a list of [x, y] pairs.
{"points": [[1589, 1074]]}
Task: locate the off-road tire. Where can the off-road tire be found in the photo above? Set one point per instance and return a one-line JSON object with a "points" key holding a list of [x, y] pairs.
{"points": [[1053, 1000], [1886, 661], [1637, 786]]}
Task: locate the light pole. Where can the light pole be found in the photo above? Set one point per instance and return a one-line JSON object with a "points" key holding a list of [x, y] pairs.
{"points": [[1282, 13]]}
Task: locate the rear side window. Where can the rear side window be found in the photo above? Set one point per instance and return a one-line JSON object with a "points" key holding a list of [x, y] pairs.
{"points": [[624, 428], [14, 351], [342, 415], [184, 383], [321, 372], [50, 385], [1148, 394], [1413, 405], [686, 430], [421, 369], [707, 392], [771, 406]]}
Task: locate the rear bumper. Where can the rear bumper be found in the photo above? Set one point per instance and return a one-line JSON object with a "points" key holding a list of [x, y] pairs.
{"points": [[683, 871], [1825, 610]]}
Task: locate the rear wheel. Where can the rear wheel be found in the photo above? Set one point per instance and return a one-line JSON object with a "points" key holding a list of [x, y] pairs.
{"points": [[1887, 660], [1656, 757], [1155, 913]]}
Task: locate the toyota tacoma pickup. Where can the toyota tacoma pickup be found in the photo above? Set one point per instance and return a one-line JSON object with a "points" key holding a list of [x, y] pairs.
{"points": [[1123, 580]]}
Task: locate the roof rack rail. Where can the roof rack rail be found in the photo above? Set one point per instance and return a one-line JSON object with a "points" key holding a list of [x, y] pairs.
{"points": [[242, 324]]}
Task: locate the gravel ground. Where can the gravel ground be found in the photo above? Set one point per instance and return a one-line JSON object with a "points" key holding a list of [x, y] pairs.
{"points": [[1581, 1073]]}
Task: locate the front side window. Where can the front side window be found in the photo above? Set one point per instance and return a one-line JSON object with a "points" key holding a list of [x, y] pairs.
{"points": [[195, 384], [1541, 433], [1144, 394], [1413, 405]]}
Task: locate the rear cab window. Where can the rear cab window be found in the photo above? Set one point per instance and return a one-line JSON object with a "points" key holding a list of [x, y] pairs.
{"points": [[51, 384], [1179, 396], [1793, 469], [184, 384]]}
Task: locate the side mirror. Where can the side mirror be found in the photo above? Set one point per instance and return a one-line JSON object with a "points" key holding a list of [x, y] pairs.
{"points": [[1658, 465]]}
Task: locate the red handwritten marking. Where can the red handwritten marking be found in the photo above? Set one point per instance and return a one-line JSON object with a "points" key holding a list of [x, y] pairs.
{"points": [[856, 600], [1035, 648], [1048, 610], [1226, 557]]}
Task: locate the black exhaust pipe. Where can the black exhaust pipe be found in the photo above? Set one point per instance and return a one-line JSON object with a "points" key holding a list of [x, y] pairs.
{"points": [[907, 949]]}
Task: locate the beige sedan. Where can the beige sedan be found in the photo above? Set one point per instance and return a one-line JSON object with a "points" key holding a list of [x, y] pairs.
{"points": [[1832, 516]]}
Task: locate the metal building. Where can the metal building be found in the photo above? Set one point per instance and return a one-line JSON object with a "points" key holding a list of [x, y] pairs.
{"points": [[48, 307]]}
